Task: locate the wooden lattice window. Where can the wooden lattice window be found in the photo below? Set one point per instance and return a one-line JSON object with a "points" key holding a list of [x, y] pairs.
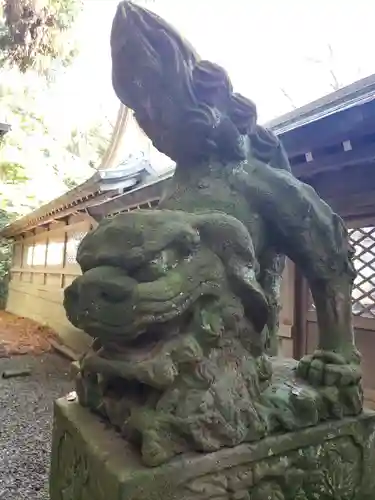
{"points": [[73, 242], [363, 297]]}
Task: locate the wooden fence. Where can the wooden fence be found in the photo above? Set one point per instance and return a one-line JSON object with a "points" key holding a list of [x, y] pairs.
{"points": [[43, 265]]}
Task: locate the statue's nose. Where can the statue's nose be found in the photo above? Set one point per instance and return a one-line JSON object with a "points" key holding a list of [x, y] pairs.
{"points": [[107, 284]]}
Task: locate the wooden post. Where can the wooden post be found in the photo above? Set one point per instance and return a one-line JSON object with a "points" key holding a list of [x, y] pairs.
{"points": [[301, 294]]}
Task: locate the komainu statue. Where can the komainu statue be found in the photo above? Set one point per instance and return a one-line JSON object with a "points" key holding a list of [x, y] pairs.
{"points": [[183, 300]]}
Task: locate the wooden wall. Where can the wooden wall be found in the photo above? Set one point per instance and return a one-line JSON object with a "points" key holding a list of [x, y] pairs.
{"points": [[287, 313], [43, 265]]}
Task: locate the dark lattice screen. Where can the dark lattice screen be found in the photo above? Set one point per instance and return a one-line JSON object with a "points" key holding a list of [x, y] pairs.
{"points": [[363, 297]]}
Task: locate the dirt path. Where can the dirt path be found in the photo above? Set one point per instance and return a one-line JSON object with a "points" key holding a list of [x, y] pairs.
{"points": [[22, 336], [26, 406]]}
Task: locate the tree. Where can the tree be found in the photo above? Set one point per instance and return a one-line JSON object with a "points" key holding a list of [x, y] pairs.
{"points": [[328, 64], [91, 144], [34, 33], [288, 97], [5, 259], [32, 154], [329, 69]]}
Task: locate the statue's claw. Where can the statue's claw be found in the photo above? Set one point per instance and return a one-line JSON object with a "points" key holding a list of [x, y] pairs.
{"points": [[160, 443], [324, 368], [153, 452]]}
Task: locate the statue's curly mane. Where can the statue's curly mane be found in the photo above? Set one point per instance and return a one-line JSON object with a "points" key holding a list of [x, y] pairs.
{"points": [[186, 105]]}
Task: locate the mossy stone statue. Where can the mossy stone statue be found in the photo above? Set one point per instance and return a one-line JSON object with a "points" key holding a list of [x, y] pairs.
{"points": [[182, 303]]}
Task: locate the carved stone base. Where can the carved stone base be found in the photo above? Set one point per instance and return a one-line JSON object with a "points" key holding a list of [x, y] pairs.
{"points": [[333, 460]]}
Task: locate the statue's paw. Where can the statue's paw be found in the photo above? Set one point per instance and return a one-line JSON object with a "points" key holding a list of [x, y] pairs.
{"points": [[325, 368], [353, 399], [153, 451]]}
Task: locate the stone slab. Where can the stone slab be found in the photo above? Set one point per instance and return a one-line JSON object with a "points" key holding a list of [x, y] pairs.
{"points": [[333, 460]]}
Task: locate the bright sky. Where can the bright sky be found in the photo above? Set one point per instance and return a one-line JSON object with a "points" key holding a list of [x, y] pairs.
{"points": [[267, 46]]}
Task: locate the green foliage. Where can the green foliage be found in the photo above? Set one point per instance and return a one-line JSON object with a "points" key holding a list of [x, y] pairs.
{"points": [[5, 259], [37, 34], [37, 163], [91, 144], [12, 173], [40, 158], [38, 152]]}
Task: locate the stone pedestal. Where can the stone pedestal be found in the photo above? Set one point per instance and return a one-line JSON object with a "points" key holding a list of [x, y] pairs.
{"points": [[333, 460]]}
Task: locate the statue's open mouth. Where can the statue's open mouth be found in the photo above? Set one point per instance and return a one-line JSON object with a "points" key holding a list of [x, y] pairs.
{"points": [[146, 320]]}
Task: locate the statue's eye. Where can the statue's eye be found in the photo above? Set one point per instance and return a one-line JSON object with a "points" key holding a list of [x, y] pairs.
{"points": [[158, 267]]}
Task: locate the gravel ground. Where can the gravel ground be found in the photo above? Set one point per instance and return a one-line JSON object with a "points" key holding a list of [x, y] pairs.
{"points": [[26, 406]]}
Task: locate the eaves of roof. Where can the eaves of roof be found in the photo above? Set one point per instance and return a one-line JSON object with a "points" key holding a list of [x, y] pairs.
{"points": [[356, 94], [100, 187]]}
